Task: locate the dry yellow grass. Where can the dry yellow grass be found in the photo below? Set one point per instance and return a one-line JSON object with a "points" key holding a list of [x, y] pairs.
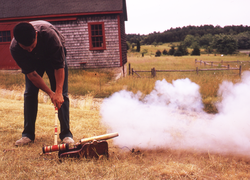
{"points": [[27, 163], [100, 84], [208, 81]]}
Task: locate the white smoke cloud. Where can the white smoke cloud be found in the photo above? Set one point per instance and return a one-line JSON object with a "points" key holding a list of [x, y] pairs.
{"points": [[171, 116], [182, 93]]}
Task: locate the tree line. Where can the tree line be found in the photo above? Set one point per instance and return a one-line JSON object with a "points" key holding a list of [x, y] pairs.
{"points": [[225, 40]]}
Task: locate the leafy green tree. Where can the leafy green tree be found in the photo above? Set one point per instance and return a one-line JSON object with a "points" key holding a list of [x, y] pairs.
{"points": [[208, 49], [188, 41], [243, 40], [138, 46], [144, 51], [206, 40], [196, 51], [128, 45], [154, 43], [184, 49], [181, 50], [224, 44], [158, 53], [179, 34], [164, 52], [133, 45], [178, 53], [172, 50]]}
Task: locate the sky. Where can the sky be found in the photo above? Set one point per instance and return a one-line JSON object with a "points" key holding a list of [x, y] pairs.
{"points": [[147, 16]]}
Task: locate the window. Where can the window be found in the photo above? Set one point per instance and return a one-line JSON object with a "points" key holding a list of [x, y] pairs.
{"points": [[5, 36], [96, 36]]}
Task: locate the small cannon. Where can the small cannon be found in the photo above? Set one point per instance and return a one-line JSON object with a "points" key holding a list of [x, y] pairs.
{"points": [[87, 147]]}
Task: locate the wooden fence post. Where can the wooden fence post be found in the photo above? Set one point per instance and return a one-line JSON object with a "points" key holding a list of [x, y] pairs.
{"points": [[153, 72], [197, 70], [228, 66], [240, 71], [129, 69]]}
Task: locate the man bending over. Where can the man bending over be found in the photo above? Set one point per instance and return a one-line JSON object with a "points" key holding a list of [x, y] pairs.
{"points": [[38, 47]]}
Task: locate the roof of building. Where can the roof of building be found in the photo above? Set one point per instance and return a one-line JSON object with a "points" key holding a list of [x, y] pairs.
{"points": [[27, 8]]}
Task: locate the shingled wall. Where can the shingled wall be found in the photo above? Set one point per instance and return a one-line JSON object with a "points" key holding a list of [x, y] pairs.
{"points": [[77, 42], [123, 41]]}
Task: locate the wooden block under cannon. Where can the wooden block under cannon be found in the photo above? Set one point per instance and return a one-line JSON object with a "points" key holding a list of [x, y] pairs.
{"points": [[87, 150]]}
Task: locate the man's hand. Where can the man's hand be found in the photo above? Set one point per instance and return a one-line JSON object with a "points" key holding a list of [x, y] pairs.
{"points": [[57, 100]]}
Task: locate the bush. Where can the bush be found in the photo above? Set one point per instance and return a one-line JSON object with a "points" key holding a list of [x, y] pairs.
{"points": [[154, 44], [138, 46], [172, 50], [224, 44], [178, 53], [196, 51], [181, 50], [144, 51], [208, 49], [128, 45], [133, 45], [158, 53], [164, 52]]}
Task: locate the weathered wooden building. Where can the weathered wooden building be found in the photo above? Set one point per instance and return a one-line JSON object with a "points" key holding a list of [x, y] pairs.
{"points": [[94, 29]]}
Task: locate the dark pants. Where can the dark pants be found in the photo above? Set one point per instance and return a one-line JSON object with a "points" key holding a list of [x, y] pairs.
{"points": [[31, 104]]}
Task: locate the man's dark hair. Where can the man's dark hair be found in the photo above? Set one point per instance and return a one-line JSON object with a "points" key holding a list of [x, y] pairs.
{"points": [[24, 33]]}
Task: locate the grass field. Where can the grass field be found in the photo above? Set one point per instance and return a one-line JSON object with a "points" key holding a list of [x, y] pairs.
{"points": [[99, 84], [28, 163], [163, 163]]}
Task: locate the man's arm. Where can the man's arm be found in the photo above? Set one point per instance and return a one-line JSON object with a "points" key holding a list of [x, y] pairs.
{"points": [[38, 81], [57, 97]]}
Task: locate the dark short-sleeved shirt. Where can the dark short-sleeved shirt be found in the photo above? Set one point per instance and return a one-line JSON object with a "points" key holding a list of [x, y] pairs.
{"points": [[49, 50]]}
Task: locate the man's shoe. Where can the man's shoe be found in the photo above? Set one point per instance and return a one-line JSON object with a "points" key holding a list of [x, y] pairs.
{"points": [[23, 141], [68, 140]]}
